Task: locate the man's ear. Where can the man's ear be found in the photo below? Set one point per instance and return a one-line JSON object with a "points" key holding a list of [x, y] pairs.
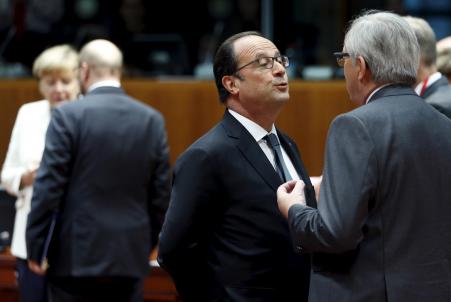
{"points": [[84, 71], [364, 71], [231, 84]]}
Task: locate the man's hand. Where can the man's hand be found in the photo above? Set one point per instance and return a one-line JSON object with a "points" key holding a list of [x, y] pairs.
{"points": [[36, 268], [28, 177], [290, 193]]}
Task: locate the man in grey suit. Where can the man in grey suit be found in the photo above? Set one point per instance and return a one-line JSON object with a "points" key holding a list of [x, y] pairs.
{"points": [[431, 85], [223, 238], [105, 172], [382, 227]]}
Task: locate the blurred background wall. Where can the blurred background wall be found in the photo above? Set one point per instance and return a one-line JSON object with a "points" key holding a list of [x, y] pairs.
{"points": [[179, 38]]}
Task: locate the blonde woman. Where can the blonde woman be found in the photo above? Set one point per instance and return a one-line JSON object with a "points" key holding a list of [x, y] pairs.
{"points": [[57, 72]]}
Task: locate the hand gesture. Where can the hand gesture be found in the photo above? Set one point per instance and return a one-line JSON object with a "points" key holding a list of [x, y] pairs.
{"points": [[290, 193]]}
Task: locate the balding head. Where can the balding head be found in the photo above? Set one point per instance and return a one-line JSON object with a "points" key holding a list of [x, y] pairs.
{"points": [[102, 57]]}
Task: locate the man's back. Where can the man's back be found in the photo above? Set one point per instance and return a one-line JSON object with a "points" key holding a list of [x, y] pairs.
{"points": [[404, 195], [113, 183]]}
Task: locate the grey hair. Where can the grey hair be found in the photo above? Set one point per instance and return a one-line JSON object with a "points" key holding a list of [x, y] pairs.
{"points": [[426, 39], [388, 45]]}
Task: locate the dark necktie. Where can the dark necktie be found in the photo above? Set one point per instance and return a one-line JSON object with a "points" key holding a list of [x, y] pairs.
{"points": [[281, 168]]}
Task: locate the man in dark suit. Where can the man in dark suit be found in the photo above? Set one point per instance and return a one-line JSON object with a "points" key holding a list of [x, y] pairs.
{"points": [[382, 227], [105, 172], [429, 79], [223, 238], [432, 85]]}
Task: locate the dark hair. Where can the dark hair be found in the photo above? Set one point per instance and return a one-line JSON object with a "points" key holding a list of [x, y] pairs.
{"points": [[225, 62]]}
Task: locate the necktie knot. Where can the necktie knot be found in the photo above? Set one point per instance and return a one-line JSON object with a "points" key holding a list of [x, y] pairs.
{"points": [[272, 140]]}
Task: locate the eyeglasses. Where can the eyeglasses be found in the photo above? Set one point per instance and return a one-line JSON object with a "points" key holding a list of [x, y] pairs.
{"points": [[341, 57], [268, 62]]}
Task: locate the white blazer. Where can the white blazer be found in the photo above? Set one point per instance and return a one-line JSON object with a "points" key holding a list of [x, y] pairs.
{"points": [[24, 151]]}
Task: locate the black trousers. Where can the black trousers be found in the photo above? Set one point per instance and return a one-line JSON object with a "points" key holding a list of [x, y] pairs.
{"points": [[32, 287], [95, 289]]}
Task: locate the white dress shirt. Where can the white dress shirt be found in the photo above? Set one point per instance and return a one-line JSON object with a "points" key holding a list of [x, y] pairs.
{"points": [[258, 133], [106, 83]]}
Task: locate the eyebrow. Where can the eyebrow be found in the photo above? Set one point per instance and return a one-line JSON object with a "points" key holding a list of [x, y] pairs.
{"points": [[263, 55]]}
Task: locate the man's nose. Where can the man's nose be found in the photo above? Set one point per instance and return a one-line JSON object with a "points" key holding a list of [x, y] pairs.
{"points": [[278, 68]]}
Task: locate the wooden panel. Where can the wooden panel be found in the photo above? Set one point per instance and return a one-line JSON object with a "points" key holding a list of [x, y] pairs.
{"points": [[13, 93], [306, 118], [8, 285], [191, 108], [158, 286]]}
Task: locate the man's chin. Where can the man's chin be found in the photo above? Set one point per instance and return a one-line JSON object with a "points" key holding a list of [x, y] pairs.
{"points": [[283, 98]]}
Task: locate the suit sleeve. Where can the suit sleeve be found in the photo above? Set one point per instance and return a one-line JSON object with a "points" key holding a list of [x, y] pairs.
{"points": [[50, 184], [13, 167], [182, 242], [349, 182], [160, 185]]}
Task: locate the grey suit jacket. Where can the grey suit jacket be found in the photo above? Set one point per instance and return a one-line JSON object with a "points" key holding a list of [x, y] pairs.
{"points": [[223, 224], [105, 168], [381, 231]]}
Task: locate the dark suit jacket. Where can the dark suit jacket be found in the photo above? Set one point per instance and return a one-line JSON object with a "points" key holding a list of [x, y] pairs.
{"points": [[441, 100], [105, 167], [223, 238], [381, 231], [443, 81]]}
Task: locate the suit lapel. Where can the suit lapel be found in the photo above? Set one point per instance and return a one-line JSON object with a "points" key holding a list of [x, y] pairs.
{"points": [[292, 154], [250, 150], [299, 166]]}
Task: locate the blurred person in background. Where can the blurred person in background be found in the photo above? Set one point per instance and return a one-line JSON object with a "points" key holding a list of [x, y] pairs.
{"points": [[429, 79], [432, 85], [441, 99], [444, 57], [105, 176], [56, 70]]}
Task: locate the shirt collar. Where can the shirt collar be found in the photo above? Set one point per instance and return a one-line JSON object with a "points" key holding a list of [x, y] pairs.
{"points": [[374, 92], [431, 80], [257, 131], [106, 83]]}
